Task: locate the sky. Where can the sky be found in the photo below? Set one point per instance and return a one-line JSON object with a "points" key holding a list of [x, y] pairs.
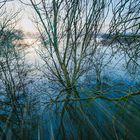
{"points": [[26, 15]]}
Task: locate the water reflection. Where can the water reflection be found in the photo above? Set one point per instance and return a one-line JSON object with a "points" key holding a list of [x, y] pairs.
{"points": [[49, 114], [92, 119]]}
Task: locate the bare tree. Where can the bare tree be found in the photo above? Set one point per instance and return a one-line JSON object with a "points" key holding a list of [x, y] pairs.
{"points": [[15, 116], [124, 26], [69, 31]]}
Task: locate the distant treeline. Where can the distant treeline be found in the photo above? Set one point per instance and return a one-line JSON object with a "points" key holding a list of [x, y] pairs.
{"points": [[123, 38]]}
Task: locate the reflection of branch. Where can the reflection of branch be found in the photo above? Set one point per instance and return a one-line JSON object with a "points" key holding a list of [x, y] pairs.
{"points": [[97, 97]]}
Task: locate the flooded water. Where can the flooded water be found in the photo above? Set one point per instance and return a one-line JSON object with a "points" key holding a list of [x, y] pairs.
{"points": [[95, 119], [84, 117]]}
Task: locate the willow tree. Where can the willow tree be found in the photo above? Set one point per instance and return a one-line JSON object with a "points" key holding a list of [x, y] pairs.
{"points": [[13, 80], [125, 29], [69, 31]]}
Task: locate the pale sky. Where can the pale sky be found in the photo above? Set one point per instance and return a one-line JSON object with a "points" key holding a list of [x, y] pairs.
{"points": [[26, 15]]}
